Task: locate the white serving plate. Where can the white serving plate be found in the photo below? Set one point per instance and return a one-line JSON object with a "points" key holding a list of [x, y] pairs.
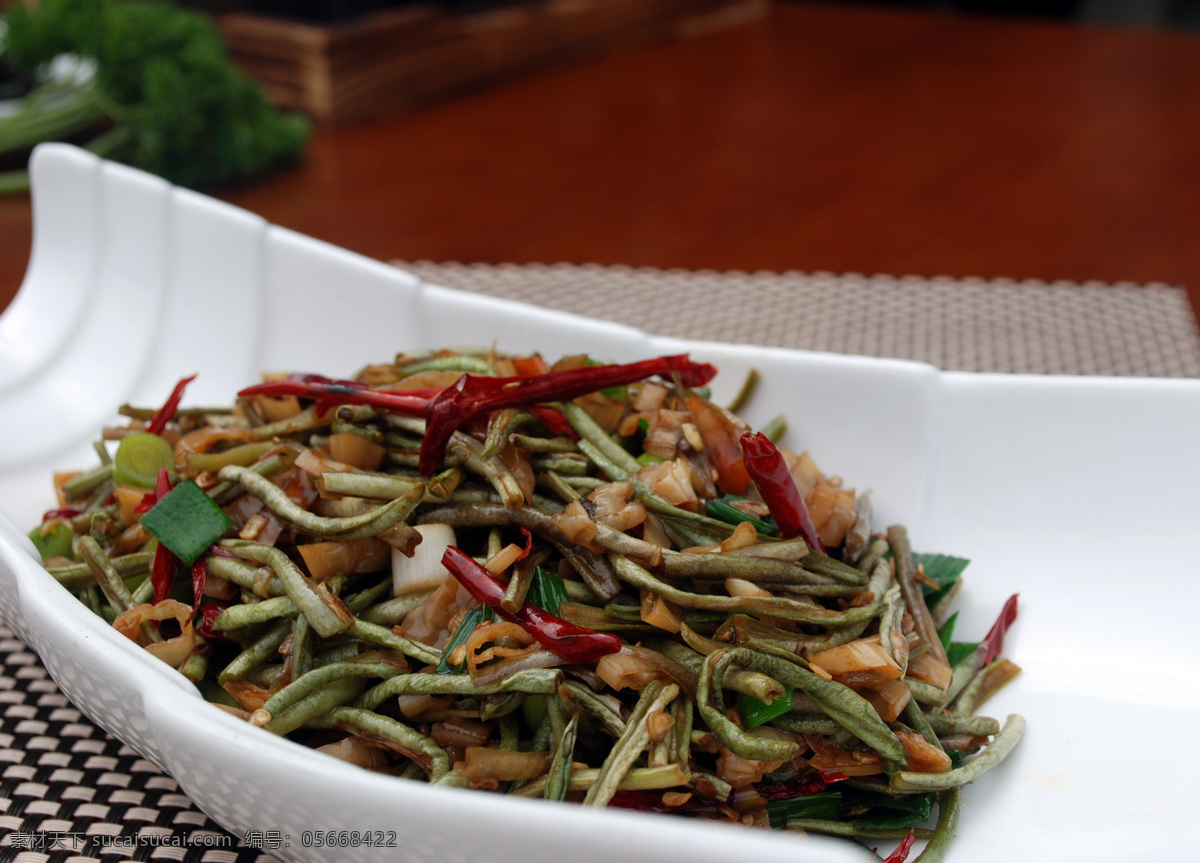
{"points": [[1080, 493]]}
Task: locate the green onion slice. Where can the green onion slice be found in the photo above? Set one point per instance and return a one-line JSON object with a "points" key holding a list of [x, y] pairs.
{"points": [[140, 456]]}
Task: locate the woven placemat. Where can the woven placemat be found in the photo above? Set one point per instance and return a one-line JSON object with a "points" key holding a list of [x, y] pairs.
{"points": [[974, 325], [69, 793]]}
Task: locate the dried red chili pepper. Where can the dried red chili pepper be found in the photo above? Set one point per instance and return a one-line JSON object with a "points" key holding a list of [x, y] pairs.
{"points": [[164, 414], [554, 420], [802, 786], [901, 852], [765, 464], [208, 614], [993, 642], [472, 396], [329, 393], [573, 643], [652, 801], [199, 578], [64, 512], [149, 499]]}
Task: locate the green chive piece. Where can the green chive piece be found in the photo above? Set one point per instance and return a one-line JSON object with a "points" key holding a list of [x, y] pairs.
{"points": [[756, 712], [140, 456], [727, 512], [547, 590], [186, 520], [823, 805]]}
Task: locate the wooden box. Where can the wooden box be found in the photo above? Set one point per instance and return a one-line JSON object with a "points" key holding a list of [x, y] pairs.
{"points": [[401, 58]]}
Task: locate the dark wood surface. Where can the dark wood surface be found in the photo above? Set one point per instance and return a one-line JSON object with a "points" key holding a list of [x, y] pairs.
{"points": [[820, 138]]}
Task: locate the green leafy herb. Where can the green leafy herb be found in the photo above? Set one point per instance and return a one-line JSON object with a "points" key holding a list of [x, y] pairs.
{"points": [[947, 631], [942, 569], [957, 651], [470, 620], [172, 101], [547, 590], [186, 521]]}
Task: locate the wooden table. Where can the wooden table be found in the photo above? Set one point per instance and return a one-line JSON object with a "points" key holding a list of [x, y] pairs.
{"points": [[820, 138]]}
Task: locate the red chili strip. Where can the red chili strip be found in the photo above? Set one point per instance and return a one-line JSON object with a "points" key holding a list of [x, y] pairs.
{"points": [[993, 642], [65, 512], [149, 499], [765, 464], [901, 852], [162, 574], [573, 643], [528, 544], [554, 420], [472, 396], [208, 614], [810, 783], [166, 413], [651, 801], [199, 578], [330, 393]]}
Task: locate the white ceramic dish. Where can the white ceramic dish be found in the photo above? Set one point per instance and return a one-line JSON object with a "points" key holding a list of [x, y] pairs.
{"points": [[1078, 493]]}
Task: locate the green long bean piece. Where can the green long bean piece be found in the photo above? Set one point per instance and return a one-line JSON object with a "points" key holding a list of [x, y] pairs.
{"points": [[407, 740], [558, 780], [78, 576], [631, 744], [257, 653], [993, 754], [302, 687], [327, 614], [313, 705], [947, 823], [842, 704], [850, 829], [635, 779], [773, 606], [542, 681], [354, 527], [383, 637]]}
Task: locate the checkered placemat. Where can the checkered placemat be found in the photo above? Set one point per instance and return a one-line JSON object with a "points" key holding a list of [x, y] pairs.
{"points": [[69, 793], [972, 325]]}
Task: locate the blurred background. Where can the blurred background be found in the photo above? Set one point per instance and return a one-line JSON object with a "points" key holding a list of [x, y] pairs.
{"points": [[1053, 140]]}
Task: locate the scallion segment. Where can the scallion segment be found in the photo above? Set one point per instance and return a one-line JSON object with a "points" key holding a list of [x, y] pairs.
{"points": [[55, 542], [756, 712], [186, 521]]}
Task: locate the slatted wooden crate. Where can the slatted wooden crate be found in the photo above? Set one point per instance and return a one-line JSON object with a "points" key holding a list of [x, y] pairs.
{"points": [[401, 58]]}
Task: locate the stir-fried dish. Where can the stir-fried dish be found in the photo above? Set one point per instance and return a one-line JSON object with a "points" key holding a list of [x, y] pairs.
{"points": [[585, 582]]}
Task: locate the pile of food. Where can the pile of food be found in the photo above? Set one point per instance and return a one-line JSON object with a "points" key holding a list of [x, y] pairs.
{"points": [[585, 582]]}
